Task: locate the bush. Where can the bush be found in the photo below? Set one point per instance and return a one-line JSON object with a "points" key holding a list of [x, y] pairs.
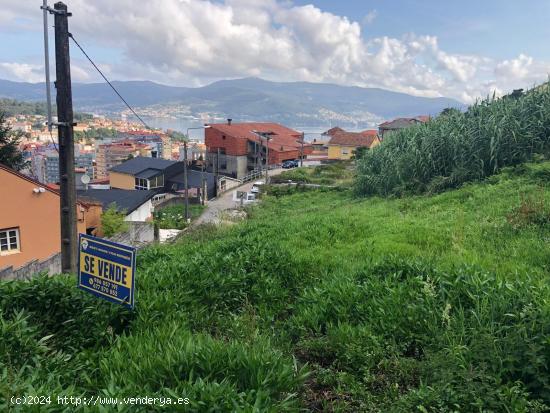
{"points": [[112, 221]]}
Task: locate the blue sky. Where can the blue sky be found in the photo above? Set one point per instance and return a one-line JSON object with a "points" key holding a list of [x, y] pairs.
{"points": [[462, 49], [496, 28]]}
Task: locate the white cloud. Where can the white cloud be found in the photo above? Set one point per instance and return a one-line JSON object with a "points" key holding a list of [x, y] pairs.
{"points": [[370, 17], [197, 41], [21, 72]]}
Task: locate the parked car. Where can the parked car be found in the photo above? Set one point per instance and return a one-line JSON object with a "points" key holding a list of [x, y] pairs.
{"points": [[256, 187], [291, 164]]}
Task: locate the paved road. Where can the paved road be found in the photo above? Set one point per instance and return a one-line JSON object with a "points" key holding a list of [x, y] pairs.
{"points": [[225, 201]]}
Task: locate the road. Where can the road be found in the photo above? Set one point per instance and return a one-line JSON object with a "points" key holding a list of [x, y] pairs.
{"points": [[215, 207]]}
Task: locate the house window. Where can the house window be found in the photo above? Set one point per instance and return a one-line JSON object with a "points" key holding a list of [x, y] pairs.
{"points": [[157, 182], [345, 151], [9, 241], [141, 183]]}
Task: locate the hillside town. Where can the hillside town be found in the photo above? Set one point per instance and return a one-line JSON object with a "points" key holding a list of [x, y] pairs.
{"points": [[274, 206], [102, 143], [137, 171]]}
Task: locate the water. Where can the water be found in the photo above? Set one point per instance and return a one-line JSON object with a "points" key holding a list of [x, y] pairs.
{"points": [[182, 124]]}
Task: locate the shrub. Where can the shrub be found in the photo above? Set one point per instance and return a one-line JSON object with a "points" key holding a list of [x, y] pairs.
{"points": [[112, 221]]}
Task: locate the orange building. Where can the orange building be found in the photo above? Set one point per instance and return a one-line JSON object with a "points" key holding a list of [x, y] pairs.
{"points": [[30, 219]]}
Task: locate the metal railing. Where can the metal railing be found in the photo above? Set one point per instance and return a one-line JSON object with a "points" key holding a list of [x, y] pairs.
{"points": [[252, 175]]}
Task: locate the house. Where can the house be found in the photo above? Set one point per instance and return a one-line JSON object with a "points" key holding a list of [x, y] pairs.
{"points": [[144, 173], [194, 183], [30, 219], [342, 144], [161, 175], [112, 154], [137, 206], [235, 149], [319, 147], [386, 128]]}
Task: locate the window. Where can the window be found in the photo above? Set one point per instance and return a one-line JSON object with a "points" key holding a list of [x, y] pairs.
{"points": [[9, 240], [345, 151], [141, 183], [157, 182]]}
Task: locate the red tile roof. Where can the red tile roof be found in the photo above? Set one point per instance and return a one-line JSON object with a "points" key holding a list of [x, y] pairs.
{"points": [[281, 138], [339, 136]]}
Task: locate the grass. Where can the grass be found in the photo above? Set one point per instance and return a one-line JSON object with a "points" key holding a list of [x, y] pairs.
{"points": [[319, 302], [173, 217], [337, 173]]}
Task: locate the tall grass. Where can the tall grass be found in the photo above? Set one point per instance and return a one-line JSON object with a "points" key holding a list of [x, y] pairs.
{"points": [[319, 302], [458, 147]]}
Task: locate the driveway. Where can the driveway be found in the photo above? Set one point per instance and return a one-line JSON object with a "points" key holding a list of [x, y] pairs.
{"points": [[211, 215]]}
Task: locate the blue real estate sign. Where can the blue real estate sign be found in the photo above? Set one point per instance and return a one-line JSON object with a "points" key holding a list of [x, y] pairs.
{"points": [[106, 269]]}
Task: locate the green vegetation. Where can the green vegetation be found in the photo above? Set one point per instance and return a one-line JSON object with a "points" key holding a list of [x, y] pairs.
{"points": [[112, 221], [12, 107], [336, 173], [173, 217], [10, 155], [459, 147], [95, 133], [321, 302]]}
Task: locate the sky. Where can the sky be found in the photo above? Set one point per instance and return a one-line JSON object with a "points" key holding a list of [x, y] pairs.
{"points": [[460, 49]]}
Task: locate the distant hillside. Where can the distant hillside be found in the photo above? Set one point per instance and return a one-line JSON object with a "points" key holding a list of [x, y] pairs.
{"points": [[250, 99]]}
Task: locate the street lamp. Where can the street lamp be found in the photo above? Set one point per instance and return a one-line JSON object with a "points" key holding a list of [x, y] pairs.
{"points": [[185, 183]]}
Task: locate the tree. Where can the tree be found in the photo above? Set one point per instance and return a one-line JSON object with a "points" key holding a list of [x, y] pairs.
{"points": [[10, 155], [112, 221]]}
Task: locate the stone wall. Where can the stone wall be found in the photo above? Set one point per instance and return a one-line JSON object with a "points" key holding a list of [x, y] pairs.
{"points": [[51, 265]]}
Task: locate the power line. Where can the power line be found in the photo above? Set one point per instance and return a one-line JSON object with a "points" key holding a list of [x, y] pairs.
{"points": [[109, 83]]}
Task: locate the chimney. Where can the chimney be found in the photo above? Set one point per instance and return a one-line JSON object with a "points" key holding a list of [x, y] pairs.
{"points": [[229, 122]]}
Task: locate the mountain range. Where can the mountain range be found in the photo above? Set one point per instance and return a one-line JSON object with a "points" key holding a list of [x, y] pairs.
{"points": [[245, 100]]}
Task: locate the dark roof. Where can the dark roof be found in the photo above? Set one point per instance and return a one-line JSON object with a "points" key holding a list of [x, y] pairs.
{"points": [[141, 163], [125, 199], [401, 123], [148, 173], [194, 179]]}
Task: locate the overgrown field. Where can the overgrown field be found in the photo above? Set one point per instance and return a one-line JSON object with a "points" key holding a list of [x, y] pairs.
{"points": [[336, 173], [319, 302], [459, 147]]}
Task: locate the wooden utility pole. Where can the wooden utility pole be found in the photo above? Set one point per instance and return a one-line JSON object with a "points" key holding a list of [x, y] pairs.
{"points": [[65, 125], [186, 186]]}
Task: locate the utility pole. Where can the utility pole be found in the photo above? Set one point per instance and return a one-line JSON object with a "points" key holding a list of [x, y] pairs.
{"points": [[65, 139], [203, 184], [302, 150], [217, 170], [267, 159], [185, 184], [47, 63]]}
